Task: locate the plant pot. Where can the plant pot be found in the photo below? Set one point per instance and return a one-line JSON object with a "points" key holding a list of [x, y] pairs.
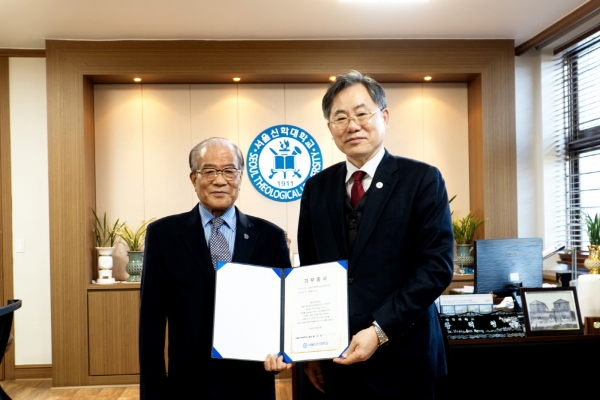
{"points": [[592, 263], [464, 259], [134, 266], [105, 264]]}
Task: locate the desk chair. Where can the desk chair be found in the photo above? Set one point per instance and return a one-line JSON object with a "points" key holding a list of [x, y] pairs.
{"points": [[6, 319]]}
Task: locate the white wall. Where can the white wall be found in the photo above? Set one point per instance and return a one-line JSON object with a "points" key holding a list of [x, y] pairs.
{"points": [[30, 210], [530, 183], [539, 172]]}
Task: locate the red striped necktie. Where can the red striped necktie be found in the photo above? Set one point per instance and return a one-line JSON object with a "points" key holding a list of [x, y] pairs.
{"points": [[357, 191]]}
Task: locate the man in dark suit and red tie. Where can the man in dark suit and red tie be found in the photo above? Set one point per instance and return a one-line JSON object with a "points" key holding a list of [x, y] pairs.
{"points": [[389, 217], [178, 285]]}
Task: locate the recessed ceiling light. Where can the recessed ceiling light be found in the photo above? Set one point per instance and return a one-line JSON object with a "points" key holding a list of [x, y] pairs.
{"points": [[137, 79], [427, 78], [236, 79], [332, 78]]}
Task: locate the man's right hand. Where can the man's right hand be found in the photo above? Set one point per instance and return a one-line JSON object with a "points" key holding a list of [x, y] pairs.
{"points": [[315, 374]]}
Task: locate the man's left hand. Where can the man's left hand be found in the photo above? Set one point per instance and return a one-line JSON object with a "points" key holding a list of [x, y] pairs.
{"points": [[276, 364], [362, 347]]}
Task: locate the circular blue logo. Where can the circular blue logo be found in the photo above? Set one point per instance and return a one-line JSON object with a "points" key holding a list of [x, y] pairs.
{"points": [[280, 160]]}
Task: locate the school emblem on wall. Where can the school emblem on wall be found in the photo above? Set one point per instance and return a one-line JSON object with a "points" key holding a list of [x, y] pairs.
{"points": [[280, 160]]}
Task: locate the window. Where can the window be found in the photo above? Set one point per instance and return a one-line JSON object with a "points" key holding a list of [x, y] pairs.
{"points": [[579, 136]]}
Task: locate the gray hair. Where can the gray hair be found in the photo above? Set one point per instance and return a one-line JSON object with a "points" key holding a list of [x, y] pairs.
{"points": [[351, 78], [211, 142]]}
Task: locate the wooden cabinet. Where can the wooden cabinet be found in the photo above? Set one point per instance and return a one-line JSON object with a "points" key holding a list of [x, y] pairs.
{"points": [[113, 322]]}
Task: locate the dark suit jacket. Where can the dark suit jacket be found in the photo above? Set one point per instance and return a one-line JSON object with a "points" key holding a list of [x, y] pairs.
{"points": [[178, 286], [402, 261]]}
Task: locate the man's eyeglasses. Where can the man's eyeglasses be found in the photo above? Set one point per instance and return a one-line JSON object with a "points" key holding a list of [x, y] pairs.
{"points": [[342, 121], [210, 174]]}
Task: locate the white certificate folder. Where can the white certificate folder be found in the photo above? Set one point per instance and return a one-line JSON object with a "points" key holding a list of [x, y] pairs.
{"points": [[300, 313]]}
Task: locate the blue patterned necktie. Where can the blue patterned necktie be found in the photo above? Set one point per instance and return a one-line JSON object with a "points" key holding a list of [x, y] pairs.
{"points": [[219, 248]]}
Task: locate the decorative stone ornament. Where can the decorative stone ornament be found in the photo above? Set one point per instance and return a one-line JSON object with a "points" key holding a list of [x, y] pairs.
{"points": [[593, 261]]}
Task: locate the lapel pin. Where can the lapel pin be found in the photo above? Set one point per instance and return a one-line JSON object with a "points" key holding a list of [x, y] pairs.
{"points": [[379, 185], [246, 236]]}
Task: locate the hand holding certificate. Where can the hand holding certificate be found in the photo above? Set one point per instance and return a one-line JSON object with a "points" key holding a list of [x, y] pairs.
{"points": [[297, 313]]}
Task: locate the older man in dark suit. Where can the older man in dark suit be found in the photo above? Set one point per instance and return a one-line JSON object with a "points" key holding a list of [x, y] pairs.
{"points": [[389, 217], [178, 284]]}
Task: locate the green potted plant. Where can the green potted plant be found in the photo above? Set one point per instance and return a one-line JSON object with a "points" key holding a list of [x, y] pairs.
{"points": [[105, 241], [593, 230], [135, 242], [105, 235], [464, 231]]}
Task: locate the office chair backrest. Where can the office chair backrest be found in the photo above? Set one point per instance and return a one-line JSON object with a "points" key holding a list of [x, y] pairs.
{"points": [[6, 319]]}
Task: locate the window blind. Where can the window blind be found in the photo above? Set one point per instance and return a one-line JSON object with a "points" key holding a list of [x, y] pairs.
{"points": [[578, 135]]}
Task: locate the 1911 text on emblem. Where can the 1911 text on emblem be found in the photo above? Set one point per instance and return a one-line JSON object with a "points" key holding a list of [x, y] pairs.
{"points": [[280, 160]]}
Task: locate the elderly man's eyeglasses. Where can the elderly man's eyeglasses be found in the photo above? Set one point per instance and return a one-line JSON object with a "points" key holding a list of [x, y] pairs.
{"points": [[341, 122], [210, 174]]}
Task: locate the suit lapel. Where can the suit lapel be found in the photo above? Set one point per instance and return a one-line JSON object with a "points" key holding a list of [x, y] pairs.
{"points": [[245, 239], [387, 178], [195, 241], [335, 196]]}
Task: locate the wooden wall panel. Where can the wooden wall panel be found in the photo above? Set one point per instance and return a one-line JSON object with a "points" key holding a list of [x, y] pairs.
{"points": [[89, 171], [476, 157], [70, 235], [7, 370], [68, 62], [22, 53]]}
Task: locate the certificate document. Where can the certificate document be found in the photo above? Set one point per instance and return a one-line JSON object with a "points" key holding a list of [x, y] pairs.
{"points": [[300, 312]]}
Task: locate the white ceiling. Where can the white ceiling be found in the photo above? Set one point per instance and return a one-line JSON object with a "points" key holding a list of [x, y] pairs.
{"points": [[27, 23]]}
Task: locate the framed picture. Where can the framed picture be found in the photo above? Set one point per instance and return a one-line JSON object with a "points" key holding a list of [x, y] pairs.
{"points": [[551, 311]]}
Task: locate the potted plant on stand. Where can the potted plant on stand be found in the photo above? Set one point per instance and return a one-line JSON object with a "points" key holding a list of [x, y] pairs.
{"points": [[464, 231], [135, 242], [105, 241]]}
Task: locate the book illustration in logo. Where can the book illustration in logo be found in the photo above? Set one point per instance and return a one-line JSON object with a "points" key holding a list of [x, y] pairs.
{"points": [[284, 161], [281, 159]]}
